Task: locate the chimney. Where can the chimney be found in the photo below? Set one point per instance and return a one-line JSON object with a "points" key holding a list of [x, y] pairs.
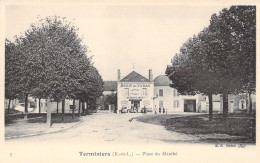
{"points": [[150, 75], [118, 74]]}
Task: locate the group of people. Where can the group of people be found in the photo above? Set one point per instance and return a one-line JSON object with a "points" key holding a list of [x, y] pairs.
{"points": [[161, 110]]}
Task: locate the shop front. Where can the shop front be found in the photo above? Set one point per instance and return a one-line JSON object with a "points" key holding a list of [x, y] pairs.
{"points": [[135, 93]]}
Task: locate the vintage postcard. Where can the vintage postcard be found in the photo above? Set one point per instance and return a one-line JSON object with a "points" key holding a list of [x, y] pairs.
{"points": [[124, 81]]}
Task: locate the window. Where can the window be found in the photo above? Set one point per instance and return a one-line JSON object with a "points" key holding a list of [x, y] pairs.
{"points": [[144, 90], [160, 104], [126, 92], [160, 92], [176, 104], [175, 93]]}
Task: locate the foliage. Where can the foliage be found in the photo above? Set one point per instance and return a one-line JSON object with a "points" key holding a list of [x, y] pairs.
{"points": [[50, 61], [110, 99], [10, 69], [221, 58]]}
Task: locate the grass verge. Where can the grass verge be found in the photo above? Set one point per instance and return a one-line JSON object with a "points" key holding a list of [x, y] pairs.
{"points": [[237, 128]]}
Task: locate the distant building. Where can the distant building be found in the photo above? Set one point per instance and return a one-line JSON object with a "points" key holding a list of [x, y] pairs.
{"points": [[169, 98], [110, 87], [236, 103], [33, 105]]}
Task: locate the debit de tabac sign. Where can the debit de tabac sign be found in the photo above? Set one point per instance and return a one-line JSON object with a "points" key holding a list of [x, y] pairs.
{"points": [[136, 85]]}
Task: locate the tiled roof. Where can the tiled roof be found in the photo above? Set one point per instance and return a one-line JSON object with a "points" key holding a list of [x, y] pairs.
{"points": [[134, 77], [110, 85], [162, 80]]}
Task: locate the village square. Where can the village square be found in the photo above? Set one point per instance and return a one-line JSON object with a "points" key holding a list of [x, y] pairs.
{"points": [[116, 87]]}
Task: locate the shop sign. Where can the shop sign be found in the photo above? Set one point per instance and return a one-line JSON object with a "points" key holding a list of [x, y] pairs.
{"points": [[135, 98], [134, 85]]}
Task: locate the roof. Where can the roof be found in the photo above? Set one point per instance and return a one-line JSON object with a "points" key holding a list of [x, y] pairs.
{"points": [[162, 80], [110, 85], [134, 77]]}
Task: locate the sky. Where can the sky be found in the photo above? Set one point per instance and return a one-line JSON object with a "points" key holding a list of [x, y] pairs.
{"points": [[122, 37]]}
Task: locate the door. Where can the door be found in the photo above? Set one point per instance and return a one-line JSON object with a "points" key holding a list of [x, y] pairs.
{"points": [[135, 106], [189, 105], [231, 107]]}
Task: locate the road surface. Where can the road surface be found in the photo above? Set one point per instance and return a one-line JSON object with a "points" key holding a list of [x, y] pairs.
{"points": [[104, 127]]}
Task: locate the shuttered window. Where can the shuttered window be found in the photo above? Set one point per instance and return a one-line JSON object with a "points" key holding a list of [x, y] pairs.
{"points": [[176, 104], [160, 92]]}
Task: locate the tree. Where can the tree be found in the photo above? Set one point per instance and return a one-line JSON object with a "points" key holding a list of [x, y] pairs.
{"points": [[92, 85], [110, 99], [215, 62], [190, 72], [235, 33], [51, 54], [244, 31], [10, 89]]}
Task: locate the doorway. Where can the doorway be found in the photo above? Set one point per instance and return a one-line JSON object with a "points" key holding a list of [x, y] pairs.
{"points": [[189, 105], [231, 104], [135, 106]]}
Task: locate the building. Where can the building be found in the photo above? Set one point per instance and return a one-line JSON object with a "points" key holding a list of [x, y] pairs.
{"points": [[169, 98], [236, 103], [110, 87], [134, 92], [33, 105]]}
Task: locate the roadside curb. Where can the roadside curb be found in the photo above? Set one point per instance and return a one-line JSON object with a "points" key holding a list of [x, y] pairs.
{"points": [[43, 133]]}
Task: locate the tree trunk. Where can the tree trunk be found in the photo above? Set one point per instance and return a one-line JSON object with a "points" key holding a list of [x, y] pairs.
{"points": [[8, 109], [26, 106], [57, 107], [225, 106], [39, 105], [79, 107], [210, 107], [83, 108], [87, 107], [62, 109], [250, 109], [48, 122], [73, 108]]}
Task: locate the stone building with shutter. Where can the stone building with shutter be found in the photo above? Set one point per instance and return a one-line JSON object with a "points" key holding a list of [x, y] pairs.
{"points": [[135, 92], [169, 98]]}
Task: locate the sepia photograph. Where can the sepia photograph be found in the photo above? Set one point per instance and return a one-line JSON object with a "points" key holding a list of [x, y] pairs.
{"points": [[129, 81]]}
